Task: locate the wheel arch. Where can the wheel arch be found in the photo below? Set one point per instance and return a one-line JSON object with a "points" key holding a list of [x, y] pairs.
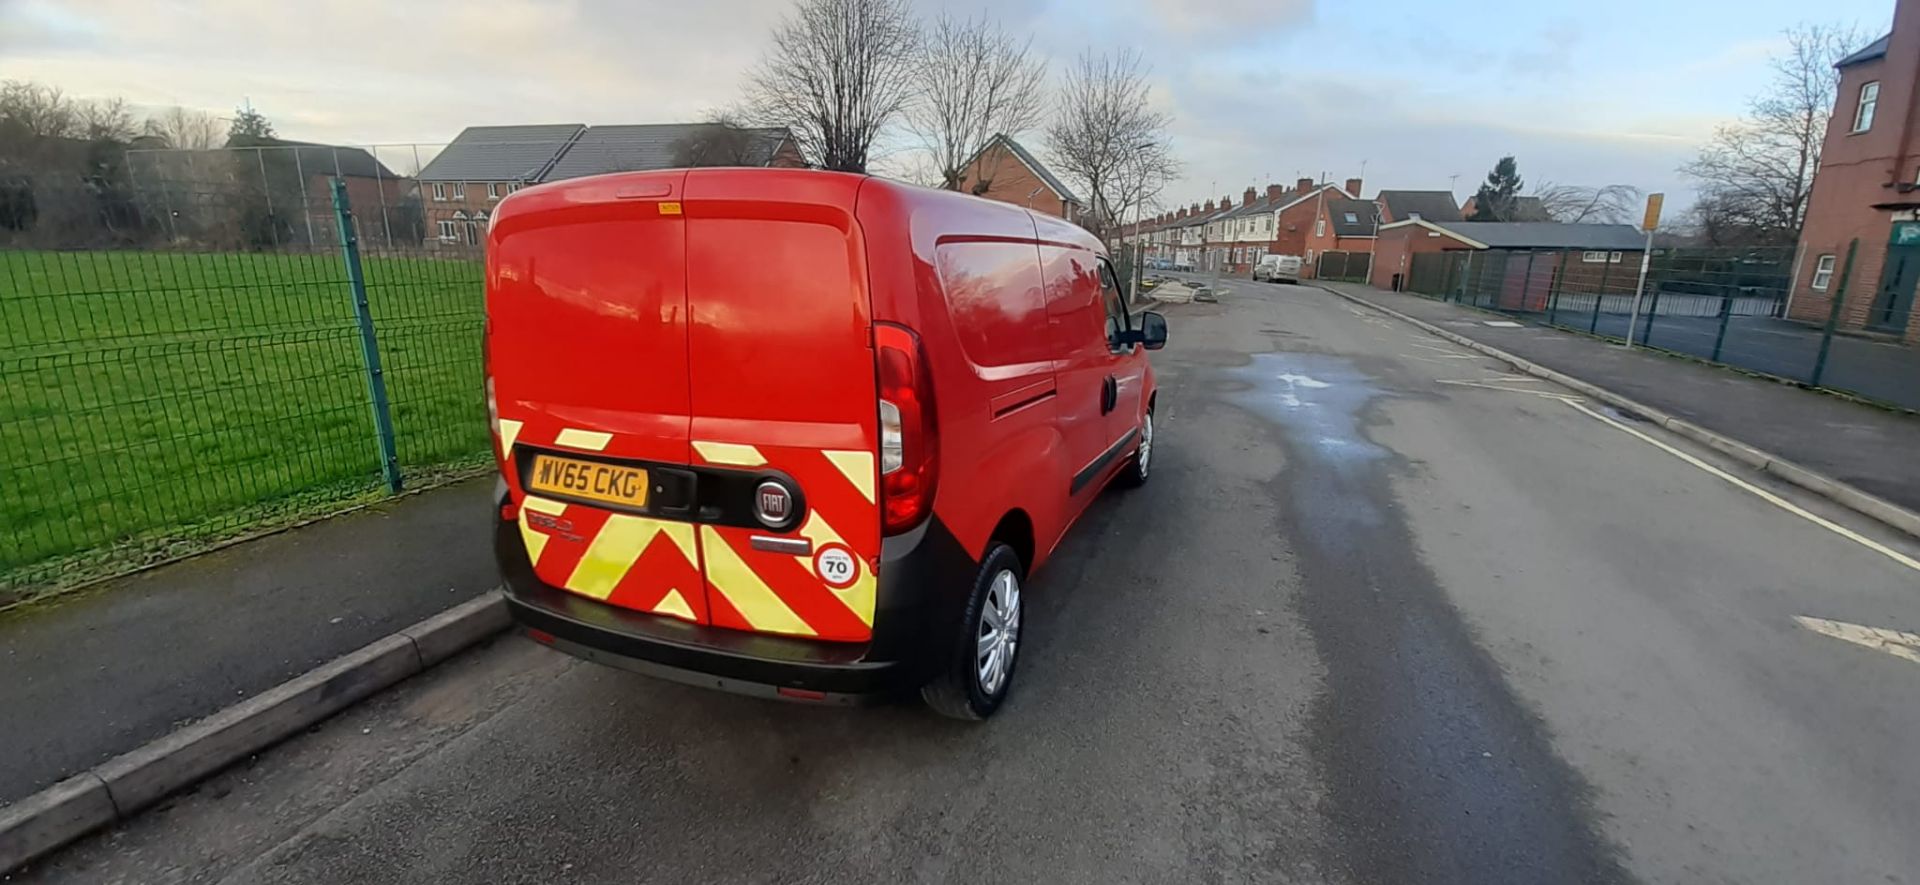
{"points": [[1015, 529]]}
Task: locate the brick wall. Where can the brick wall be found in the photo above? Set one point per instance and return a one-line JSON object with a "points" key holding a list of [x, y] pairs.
{"points": [[1010, 181], [1394, 251], [1859, 170]]}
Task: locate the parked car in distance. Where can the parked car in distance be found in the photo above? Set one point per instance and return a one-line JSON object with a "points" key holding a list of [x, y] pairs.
{"points": [[822, 477], [1277, 269]]}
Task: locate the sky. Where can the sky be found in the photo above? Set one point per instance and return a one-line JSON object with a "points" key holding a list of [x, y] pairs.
{"points": [[1405, 93]]}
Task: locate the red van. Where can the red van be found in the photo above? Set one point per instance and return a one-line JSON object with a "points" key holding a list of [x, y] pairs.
{"points": [[799, 434]]}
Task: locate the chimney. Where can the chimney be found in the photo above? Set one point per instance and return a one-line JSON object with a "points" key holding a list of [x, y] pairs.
{"points": [[1353, 187], [1182, 213], [1247, 198], [1302, 186], [1209, 205], [1226, 202], [1274, 193]]}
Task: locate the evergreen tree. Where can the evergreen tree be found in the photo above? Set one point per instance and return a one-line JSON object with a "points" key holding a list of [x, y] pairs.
{"points": [[250, 127], [1495, 199]]}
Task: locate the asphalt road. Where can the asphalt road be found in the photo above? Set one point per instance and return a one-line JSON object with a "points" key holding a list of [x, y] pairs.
{"points": [[1386, 613]]}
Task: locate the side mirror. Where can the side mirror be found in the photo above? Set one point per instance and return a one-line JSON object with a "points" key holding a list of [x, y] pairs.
{"points": [[1153, 330]]}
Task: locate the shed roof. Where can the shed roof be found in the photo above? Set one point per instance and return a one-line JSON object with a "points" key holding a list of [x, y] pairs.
{"points": [[1541, 234]]}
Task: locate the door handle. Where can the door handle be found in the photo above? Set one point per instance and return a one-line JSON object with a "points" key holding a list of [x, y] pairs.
{"points": [[1109, 394]]}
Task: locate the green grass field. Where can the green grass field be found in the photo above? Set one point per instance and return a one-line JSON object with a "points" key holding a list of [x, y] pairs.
{"points": [[154, 401]]}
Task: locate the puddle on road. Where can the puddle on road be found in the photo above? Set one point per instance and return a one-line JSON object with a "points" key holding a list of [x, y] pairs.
{"points": [[1437, 773]]}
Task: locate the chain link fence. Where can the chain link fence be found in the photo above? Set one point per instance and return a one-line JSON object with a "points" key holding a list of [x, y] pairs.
{"points": [[193, 351], [1728, 306]]}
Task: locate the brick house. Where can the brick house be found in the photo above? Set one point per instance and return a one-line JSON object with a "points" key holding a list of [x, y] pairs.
{"points": [[1005, 170], [1341, 224], [1299, 214], [485, 163], [1866, 190]]}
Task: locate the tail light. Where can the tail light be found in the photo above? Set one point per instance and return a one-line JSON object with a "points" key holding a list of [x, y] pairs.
{"points": [[909, 438], [493, 404]]}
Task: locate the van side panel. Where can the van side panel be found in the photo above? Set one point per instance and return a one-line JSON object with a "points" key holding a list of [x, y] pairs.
{"points": [[587, 330], [1078, 323], [782, 383], [964, 273]]}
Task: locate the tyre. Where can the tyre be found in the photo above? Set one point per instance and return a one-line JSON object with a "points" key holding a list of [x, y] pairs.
{"points": [[1140, 466], [980, 667]]}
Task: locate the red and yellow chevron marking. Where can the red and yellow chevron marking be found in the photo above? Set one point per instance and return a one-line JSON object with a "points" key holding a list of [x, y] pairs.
{"points": [[770, 592], [630, 561], [712, 574]]}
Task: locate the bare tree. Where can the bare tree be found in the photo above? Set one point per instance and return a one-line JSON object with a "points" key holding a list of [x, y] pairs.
{"points": [[723, 140], [1756, 174], [839, 73], [975, 81], [1573, 203], [186, 130], [1107, 137]]}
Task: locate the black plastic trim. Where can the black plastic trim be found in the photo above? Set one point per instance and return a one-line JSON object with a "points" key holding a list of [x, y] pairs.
{"points": [[1093, 470]]}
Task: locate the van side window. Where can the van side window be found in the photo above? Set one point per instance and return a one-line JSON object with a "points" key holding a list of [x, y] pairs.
{"points": [[1117, 320]]}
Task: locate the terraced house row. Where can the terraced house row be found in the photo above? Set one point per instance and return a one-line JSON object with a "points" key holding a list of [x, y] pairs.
{"points": [[1330, 226]]}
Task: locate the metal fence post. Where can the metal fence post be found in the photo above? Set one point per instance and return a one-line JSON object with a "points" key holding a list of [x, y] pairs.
{"points": [[1606, 267], [1833, 315], [1526, 284], [369, 348], [1653, 309], [1553, 289], [1726, 313]]}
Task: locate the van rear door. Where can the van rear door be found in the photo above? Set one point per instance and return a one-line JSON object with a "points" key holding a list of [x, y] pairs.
{"points": [[587, 350], [782, 389]]}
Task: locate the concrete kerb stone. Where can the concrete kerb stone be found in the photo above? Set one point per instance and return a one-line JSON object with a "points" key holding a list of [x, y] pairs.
{"points": [[1832, 489], [122, 786], [53, 817]]}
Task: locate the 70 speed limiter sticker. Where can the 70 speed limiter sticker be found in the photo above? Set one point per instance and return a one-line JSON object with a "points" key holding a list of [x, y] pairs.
{"points": [[835, 565]]}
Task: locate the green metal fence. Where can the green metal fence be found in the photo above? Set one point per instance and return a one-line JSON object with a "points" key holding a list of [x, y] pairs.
{"points": [[217, 342], [1726, 305]]}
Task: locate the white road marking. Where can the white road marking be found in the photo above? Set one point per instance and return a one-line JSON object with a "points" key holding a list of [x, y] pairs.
{"points": [[1762, 494], [1540, 393], [1500, 324], [1893, 642]]}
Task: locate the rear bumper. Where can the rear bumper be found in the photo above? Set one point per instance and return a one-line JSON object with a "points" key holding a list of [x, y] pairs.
{"points": [[924, 576]]}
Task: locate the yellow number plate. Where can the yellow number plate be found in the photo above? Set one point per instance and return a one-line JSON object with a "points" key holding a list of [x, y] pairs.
{"points": [[592, 480]]}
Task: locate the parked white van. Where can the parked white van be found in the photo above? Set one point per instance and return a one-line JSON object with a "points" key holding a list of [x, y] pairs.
{"points": [[1277, 269]]}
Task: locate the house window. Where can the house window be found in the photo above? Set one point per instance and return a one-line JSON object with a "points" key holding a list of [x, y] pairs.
{"points": [[459, 190], [516, 186], [1593, 257], [493, 190], [1352, 218], [1822, 273], [1320, 227], [439, 192], [1869, 99], [448, 232], [1613, 258]]}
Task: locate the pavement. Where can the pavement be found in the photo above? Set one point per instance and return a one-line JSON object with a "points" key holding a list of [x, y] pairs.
{"points": [[132, 659], [1864, 446], [1387, 612]]}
